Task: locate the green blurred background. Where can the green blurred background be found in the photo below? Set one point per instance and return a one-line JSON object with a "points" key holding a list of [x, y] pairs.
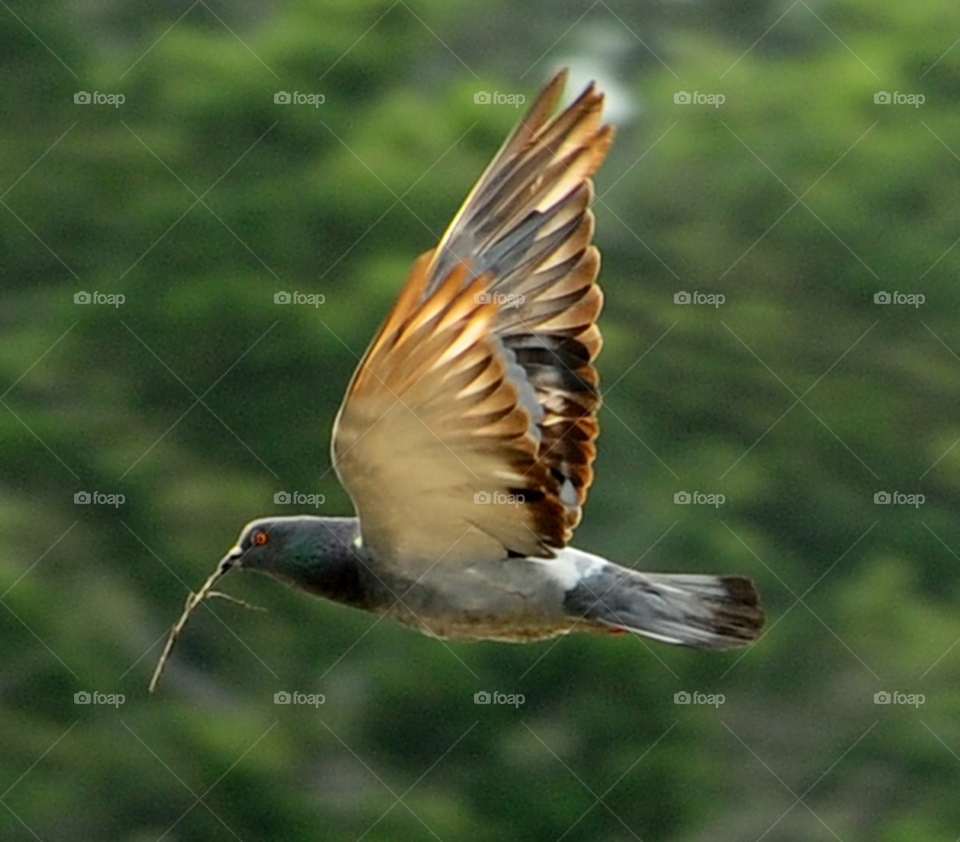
{"points": [[799, 398]]}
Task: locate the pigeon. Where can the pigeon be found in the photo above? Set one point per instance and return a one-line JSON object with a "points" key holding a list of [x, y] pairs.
{"points": [[467, 435]]}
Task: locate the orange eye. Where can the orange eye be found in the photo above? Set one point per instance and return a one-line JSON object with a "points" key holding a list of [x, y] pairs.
{"points": [[260, 538]]}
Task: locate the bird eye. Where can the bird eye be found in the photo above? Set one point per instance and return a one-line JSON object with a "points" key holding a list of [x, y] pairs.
{"points": [[260, 538]]}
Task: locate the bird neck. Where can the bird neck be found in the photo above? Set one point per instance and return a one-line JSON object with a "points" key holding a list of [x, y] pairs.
{"points": [[328, 562]]}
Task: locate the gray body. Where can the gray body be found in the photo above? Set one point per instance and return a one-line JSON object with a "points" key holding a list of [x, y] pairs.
{"points": [[511, 599]]}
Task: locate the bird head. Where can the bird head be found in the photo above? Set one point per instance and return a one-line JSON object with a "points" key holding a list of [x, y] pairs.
{"points": [[276, 546], [318, 555]]}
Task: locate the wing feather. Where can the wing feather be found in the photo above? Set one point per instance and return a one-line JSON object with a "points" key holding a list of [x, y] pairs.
{"points": [[481, 384]]}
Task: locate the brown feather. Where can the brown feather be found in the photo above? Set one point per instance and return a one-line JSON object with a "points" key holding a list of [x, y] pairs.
{"points": [[481, 378]]}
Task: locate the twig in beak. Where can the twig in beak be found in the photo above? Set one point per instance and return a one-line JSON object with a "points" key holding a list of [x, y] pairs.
{"points": [[236, 601], [193, 600]]}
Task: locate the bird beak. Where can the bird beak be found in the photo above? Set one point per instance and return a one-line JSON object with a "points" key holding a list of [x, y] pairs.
{"points": [[231, 559]]}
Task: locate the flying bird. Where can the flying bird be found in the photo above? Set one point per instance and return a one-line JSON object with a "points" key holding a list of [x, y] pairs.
{"points": [[467, 435]]}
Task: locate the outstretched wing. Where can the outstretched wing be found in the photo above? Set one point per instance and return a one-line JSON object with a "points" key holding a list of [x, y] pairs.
{"points": [[468, 430]]}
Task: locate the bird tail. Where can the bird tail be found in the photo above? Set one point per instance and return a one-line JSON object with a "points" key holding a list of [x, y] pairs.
{"points": [[705, 612]]}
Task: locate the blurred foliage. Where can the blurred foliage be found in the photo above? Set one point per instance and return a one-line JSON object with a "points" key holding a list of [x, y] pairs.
{"points": [[199, 398]]}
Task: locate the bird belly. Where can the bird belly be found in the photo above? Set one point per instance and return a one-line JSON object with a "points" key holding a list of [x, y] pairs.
{"points": [[514, 601]]}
